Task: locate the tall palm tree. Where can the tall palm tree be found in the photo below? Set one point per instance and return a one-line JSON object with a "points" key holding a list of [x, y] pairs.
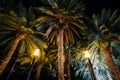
{"points": [[63, 20], [16, 30], [104, 34]]}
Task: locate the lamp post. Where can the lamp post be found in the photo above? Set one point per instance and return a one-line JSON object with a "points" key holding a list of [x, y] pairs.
{"points": [[87, 55], [36, 53]]}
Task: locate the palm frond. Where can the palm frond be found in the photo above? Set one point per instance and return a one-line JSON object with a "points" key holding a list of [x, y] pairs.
{"points": [[24, 60], [22, 48], [77, 25], [46, 11], [38, 42], [6, 41]]}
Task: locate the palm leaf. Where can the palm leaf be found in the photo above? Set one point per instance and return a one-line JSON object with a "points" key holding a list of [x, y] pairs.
{"points": [[46, 11], [113, 16], [38, 42], [73, 29], [22, 48], [9, 45], [24, 60], [4, 27], [40, 20], [77, 25], [6, 41]]}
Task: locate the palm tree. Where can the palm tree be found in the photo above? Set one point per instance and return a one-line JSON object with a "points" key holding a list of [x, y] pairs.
{"points": [[99, 63], [103, 35], [46, 58], [16, 30], [63, 20]]}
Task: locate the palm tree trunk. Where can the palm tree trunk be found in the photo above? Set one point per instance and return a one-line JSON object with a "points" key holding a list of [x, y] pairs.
{"points": [[38, 71], [68, 67], [93, 77], [11, 52], [111, 64], [60, 56], [68, 71]]}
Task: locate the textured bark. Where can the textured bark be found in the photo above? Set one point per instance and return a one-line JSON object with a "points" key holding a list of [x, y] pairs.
{"points": [[11, 52], [68, 66], [91, 70], [68, 71], [60, 56], [111, 64], [38, 71]]}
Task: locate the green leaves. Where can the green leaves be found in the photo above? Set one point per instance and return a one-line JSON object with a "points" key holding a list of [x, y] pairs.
{"points": [[38, 42], [24, 60], [62, 17], [102, 32], [46, 11]]}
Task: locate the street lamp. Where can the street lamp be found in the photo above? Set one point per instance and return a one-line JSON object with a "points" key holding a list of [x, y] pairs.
{"points": [[36, 53], [87, 55]]}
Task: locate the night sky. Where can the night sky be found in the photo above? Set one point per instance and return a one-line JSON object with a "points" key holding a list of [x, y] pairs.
{"points": [[95, 6], [92, 6]]}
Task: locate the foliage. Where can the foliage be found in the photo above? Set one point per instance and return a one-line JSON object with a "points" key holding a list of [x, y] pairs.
{"points": [[101, 31], [16, 23], [58, 16], [52, 16], [13, 27]]}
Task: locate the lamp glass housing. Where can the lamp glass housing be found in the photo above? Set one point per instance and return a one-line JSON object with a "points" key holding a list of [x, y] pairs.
{"points": [[87, 55], [36, 52]]}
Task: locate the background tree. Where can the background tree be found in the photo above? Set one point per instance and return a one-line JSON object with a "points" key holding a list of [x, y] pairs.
{"points": [[103, 27]]}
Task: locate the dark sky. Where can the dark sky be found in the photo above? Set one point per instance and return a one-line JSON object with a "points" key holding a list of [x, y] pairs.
{"points": [[95, 6], [92, 6]]}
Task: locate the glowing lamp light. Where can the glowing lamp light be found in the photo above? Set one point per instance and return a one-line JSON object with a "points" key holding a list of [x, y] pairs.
{"points": [[87, 55], [36, 52]]}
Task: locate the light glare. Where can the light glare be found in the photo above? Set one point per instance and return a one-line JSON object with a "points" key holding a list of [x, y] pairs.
{"points": [[87, 55], [36, 52]]}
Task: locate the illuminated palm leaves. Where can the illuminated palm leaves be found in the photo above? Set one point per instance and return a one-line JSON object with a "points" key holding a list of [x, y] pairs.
{"points": [[61, 26], [99, 64], [102, 31], [47, 57], [61, 16], [27, 48], [15, 24], [17, 31], [104, 34], [105, 25]]}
